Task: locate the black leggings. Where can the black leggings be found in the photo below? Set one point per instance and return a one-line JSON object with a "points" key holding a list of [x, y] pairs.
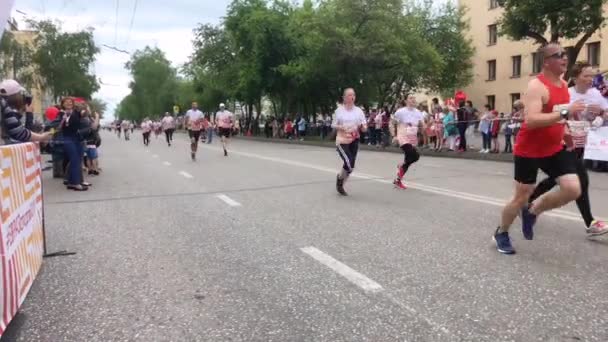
{"points": [[411, 156], [169, 135], [583, 203], [146, 138], [348, 153], [462, 130]]}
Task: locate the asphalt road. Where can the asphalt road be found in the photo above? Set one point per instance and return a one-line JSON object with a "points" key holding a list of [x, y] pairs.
{"points": [[259, 247]]}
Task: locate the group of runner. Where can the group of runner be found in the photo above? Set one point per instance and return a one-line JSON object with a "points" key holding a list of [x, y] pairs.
{"points": [[551, 139], [197, 122]]}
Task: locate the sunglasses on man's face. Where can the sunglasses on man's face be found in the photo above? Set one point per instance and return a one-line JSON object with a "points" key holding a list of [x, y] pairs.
{"points": [[558, 55]]}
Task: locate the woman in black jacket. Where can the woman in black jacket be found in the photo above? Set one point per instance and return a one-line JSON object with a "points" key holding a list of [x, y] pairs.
{"points": [[72, 146]]}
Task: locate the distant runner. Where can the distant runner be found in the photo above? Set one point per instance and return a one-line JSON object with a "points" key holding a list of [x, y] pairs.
{"points": [[194, 122], [225, 124], [126, 129], [168, 125], [146, 128]]}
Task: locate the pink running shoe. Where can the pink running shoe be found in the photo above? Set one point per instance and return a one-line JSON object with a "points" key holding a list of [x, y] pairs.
{"points": [[597, 228], [399, 184]]}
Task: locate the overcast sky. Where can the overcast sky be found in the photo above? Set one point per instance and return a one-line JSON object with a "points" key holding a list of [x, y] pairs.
{"points": [[166, 24]]}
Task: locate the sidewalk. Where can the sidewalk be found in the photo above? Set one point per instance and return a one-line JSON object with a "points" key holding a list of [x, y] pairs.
{"points": [[472, 154]]}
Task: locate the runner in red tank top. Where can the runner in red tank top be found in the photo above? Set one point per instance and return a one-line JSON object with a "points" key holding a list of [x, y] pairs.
{"points": [[539, 145]]}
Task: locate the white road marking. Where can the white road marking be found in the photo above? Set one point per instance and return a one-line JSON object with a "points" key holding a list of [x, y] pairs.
{"points": [[166, 163], [353, 276], [155, 156], [228, 200], [418, 186], [186, 174]]}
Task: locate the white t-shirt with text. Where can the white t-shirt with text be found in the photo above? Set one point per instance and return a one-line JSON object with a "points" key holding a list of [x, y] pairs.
{"points": [[350, 120]]}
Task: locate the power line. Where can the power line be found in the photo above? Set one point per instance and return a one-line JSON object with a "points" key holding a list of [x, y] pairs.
{"points": [[116, 22], [132, 20], [115, 49]]}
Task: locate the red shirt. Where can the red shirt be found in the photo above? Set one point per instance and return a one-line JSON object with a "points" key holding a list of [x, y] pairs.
{"points": [[544, 141]]}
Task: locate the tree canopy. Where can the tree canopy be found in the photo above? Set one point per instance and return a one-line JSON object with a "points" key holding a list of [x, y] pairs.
{"points": [[63, 60], [299, 56], [546, 21], [154, 87]]}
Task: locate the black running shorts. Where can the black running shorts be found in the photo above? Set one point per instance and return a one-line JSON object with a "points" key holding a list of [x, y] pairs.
{"points": [[224, 132], [560, 164], [194, 134]]}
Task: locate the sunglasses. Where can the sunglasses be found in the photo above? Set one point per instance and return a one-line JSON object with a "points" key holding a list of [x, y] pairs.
{"points": [[558, 55]]}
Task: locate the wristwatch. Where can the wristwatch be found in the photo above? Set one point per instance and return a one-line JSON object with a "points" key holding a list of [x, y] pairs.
{"points": [[564, 113]]}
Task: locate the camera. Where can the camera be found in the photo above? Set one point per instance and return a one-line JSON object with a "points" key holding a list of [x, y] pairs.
{"points": [[28, 98]]}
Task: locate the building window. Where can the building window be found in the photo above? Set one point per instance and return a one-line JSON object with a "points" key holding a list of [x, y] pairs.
{"points": [[516, 66], [493, 4], [537, 64], [492, 34], [515, 97], [593, 53], [492, 70], [491, 100]]}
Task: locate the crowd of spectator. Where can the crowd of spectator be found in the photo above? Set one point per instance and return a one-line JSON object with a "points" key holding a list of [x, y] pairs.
{"points": [[446, 127]]}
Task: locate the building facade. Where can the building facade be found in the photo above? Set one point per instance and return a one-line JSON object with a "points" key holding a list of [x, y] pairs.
{"points": [[503, 67]]}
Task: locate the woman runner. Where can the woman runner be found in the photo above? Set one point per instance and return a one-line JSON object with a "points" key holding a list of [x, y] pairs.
{"points": [[349, 121], [409, 121]]}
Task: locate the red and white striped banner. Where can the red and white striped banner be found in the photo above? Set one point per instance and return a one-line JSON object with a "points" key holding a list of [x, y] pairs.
{"points": [[21, 238]]}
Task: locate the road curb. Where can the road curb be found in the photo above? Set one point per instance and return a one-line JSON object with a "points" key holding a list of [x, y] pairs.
{"points": [[473, 155]]}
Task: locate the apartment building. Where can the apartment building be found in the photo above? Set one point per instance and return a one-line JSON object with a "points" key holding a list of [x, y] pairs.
{"points": [[502, 67]]}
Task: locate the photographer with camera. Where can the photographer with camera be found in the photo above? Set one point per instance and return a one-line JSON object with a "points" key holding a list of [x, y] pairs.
{"points": [[14, 102]]}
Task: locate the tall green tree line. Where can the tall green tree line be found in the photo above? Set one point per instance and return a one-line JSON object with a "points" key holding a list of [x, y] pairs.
{"points": [[299, 57]]}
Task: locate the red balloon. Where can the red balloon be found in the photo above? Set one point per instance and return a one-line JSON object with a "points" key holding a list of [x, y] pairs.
{"points": [[51, 113]]}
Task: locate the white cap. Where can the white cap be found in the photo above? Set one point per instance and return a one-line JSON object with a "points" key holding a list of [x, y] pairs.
{"points": [[222, 105], [10, 87]]}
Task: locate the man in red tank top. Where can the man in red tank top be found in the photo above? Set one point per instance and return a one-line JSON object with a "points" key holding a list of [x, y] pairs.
{"points": [[539, 145]]}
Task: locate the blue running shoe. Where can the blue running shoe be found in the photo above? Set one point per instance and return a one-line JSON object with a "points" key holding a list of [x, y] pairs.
{"points": [[503, 242], [528, 220]]}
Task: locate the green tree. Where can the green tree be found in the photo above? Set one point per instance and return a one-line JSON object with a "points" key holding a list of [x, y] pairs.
{"points": [[154, 85], [550, 21], [15, 60], [301, 55], [445, 28], [64, 60], [98, 105]]}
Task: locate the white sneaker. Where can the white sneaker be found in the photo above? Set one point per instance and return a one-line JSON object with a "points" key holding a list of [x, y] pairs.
{"points": [[482, 151]]}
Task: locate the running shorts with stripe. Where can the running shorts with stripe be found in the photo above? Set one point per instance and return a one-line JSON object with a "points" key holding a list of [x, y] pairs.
{"points": [[348, 153]]}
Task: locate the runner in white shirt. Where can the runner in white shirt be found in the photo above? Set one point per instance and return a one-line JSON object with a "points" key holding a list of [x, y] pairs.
{"points": [[168, 124], [146, 128], [194, 122], [409, 121], [349, 121], [125, 127], [225, 124]]}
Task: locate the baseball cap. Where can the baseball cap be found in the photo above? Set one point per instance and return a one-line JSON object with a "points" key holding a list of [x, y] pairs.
{"points": [[222, 105], [10, 87]]}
